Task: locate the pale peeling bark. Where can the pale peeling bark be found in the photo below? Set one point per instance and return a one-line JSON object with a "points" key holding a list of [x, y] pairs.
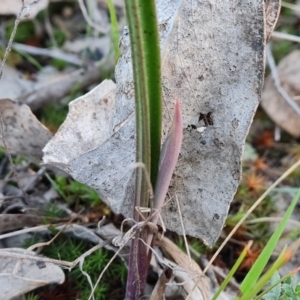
{"points": [[213, 62]]}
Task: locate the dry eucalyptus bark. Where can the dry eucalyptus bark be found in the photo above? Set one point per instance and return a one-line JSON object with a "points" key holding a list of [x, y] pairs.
{"points": [[213, 62]]}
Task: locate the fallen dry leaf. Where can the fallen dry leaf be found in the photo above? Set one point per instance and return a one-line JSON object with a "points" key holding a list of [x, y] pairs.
{"points": [[213, 62], [189, 265], [276, 107], [86, 126], [29, 277], [22, 133]]}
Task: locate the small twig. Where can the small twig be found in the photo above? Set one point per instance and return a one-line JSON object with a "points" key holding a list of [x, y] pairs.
{"points": [[89, 21], [55, 53], [5, 198], [8, 48], [12, 36], [22, 231], [183, 230], [272, 219], [279, 88], [34, 180], [61, 263], [291, 6], [49, 29], [285, 36]]}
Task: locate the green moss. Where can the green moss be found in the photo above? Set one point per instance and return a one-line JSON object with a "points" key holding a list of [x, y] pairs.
{"points": [[52, 210], [195, 243], [54, 115], [281, 49], [69, 249], [2, 153], [59, 64], [31, 297], [59, 36], [25, 31], [75, 192]]}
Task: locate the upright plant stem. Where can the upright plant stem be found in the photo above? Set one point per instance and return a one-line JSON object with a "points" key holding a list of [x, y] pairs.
{"points": [[147, 82], [114, 28]]}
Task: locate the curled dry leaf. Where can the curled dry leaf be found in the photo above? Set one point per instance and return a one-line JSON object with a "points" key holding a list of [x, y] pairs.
{"points": [[30, 276], [276, 107], [193, 270], [213, 62], [272, 10], [13, 7], [159, 290], [21, 131]]}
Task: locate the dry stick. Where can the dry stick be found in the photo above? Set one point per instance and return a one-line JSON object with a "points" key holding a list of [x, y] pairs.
{"points": [[49, 29], [8, 48], [272, 219], [291, 6], [61, 263], [35, 179], [12, 36], [22, 231], [183, 230], [89, 21], [262, 197], [286, 36], [54, 53], [279, 88]]}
